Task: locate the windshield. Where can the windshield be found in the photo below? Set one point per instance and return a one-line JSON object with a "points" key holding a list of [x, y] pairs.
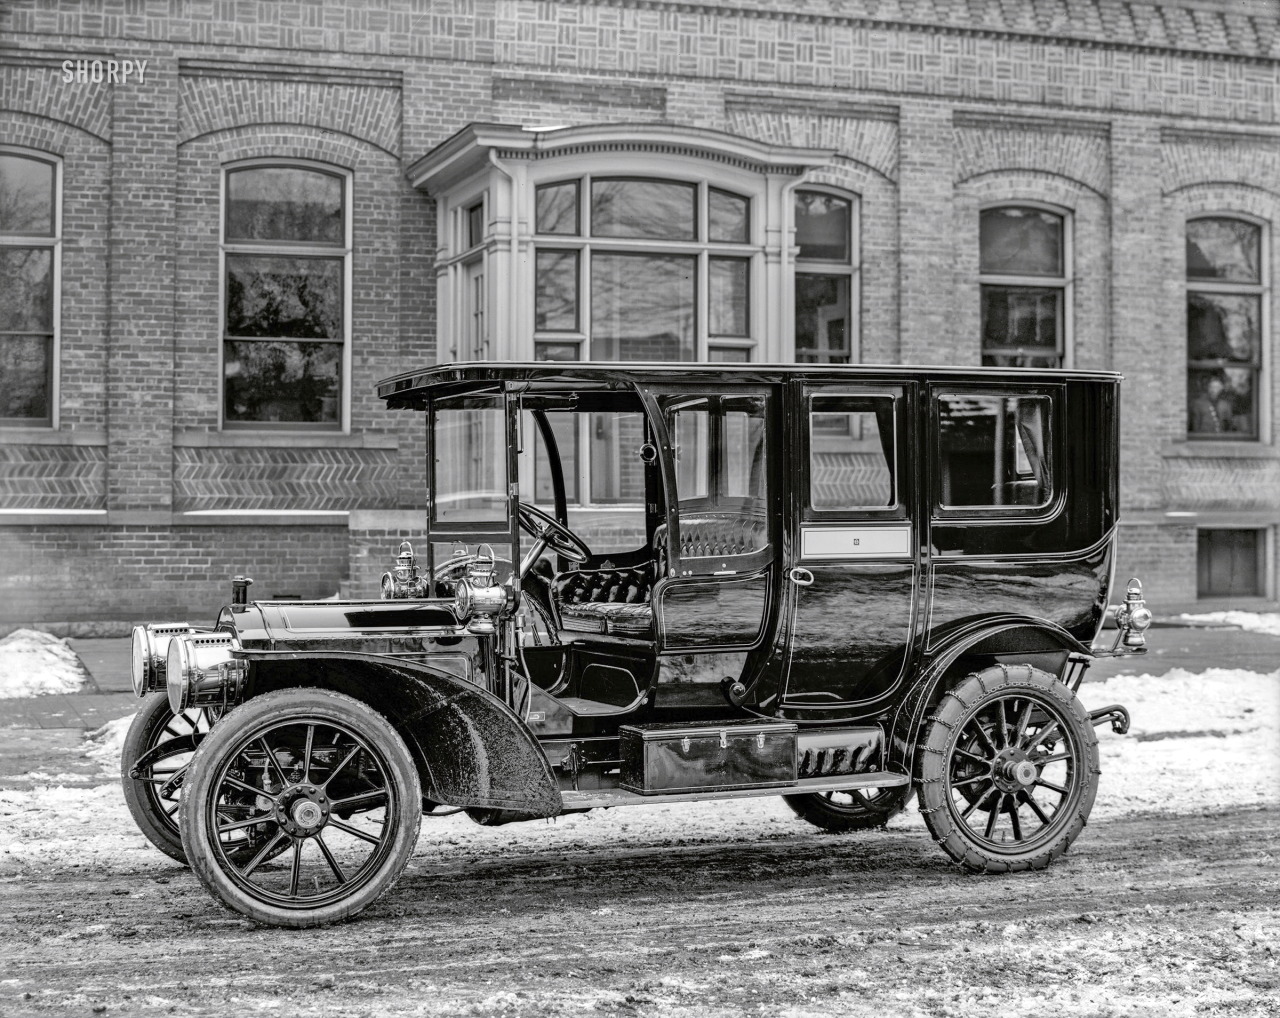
{"points": [[470, 462]]}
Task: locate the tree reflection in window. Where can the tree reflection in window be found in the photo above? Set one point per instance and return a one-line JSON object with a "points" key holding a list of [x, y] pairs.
{"points": [[1022, 266], [1224, 327], [28, 232], [284, 311]]}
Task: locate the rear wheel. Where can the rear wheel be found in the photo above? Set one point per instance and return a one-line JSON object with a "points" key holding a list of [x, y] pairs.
{"points": [[857, 809], [320, 777], [1008, 770], [153, 766]]}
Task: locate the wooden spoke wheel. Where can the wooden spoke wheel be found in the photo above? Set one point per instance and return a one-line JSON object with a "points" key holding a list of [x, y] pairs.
{"points": [[1007, 770], [330, 784]]}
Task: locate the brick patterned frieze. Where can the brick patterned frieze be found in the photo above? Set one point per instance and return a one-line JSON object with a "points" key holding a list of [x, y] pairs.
{"points": [[53, 477], [540, 93], [370, 113], [871, 141], [282, 478], [1078, 150], [31, 81], [1230, 483]]}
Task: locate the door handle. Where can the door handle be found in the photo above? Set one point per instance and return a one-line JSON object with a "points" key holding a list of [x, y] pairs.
{"points": [[800, 576]]}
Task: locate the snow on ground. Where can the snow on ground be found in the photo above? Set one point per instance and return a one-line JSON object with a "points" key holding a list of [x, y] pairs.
{"points": [[1255, 622], [105, 744], [1206, 740], [33, 663]]}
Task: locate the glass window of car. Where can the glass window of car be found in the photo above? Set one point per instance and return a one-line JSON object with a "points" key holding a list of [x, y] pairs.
{"points": [[851, 452], [470, 462], [994, 451]]}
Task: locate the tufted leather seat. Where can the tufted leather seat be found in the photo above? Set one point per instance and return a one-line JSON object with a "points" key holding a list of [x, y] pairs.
{"points": [[605, 600], [717, 535]]}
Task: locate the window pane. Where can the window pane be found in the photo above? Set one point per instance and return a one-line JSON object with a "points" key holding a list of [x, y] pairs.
{"points": [[564, 426], [282, 381], [745, 468], [24, 377], [617, 472], [26, 195], [690, 446], [1223, 249], [642, 307], [994, 450], [273, 295], [729, 217], [470, 465], [823, 226], [822, 319], [1228, 563], [555, 351], [1220, 401], [643, 208], [851, 452], [284, 203], [557, 209], [556, 291], [1020, 326], [1223, 327], [26, 289], [729, 303], [1021, 242], [475, 224]]}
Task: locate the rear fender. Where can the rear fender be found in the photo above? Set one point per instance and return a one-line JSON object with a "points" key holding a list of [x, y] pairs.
{"points": [[471, 748], [1006, 639]]}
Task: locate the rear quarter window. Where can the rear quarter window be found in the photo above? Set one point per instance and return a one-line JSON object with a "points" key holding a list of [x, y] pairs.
{"points": [[994, 451]]}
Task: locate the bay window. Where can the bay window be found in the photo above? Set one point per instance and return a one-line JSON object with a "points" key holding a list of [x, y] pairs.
{"points": [[826, 302]]}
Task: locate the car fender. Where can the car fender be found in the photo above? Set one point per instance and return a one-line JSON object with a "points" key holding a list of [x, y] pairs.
{"points": [[1005, 638], [472, 750]]}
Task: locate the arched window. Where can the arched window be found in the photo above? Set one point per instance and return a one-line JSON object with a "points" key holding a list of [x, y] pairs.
{"points": [[1225, 326], [1024, 281], [30, 236], [285, 312], [826, 278]]}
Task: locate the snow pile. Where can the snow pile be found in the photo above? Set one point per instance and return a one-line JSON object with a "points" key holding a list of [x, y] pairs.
{"points": [[1254, 622], [105, 744], [33, 663]]}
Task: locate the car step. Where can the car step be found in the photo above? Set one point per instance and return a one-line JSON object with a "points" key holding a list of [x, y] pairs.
{"points": [[597, 798]]}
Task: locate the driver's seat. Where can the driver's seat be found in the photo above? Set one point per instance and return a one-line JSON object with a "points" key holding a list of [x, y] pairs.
{"points": [[606, 601]]}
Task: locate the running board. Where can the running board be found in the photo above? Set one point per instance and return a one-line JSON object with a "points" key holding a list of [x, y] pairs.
{"points": [[603, 798]]}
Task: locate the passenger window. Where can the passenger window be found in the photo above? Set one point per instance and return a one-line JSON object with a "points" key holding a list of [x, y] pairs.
{"points": [[994, 451], [851, 452]]}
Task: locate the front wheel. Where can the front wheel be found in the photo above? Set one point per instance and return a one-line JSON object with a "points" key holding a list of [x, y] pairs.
{"points": [[1007, 770], [318, 775]]}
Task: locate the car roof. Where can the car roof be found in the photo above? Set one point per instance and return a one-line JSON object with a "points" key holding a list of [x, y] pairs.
{"points": [[411, 387]]}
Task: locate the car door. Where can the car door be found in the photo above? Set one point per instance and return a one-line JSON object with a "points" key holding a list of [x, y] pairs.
{"points": [[853, 561]]}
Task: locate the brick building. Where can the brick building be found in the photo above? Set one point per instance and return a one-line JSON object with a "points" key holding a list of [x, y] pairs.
{"points": [[221, 223]]}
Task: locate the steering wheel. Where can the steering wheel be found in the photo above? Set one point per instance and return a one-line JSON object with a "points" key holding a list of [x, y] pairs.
{"points": [[548, 532]]}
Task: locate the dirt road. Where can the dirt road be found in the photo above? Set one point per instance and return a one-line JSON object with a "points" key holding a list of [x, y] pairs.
{"points": [[1155, 914]]}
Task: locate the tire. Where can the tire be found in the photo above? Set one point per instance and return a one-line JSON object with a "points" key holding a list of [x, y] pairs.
{"points": [[994, 745], [155, 809], [858, 809], [285, 764]]}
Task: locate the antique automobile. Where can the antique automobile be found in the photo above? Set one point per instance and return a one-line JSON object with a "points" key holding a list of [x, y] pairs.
{"points": [[842, 585]]}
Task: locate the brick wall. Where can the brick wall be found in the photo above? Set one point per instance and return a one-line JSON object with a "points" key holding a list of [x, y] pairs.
{"points": [[1128, 116]]}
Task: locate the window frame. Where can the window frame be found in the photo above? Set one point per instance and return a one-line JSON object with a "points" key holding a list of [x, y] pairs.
{"points": [[1262, 291], [944, 512], [851, 270], [1065, 282], [288, 249], [53, 242], [586, 244]]}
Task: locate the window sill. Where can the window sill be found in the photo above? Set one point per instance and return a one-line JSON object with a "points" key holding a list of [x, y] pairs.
{"points": [[194, 438], [47, 436], [1219, 449]]}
